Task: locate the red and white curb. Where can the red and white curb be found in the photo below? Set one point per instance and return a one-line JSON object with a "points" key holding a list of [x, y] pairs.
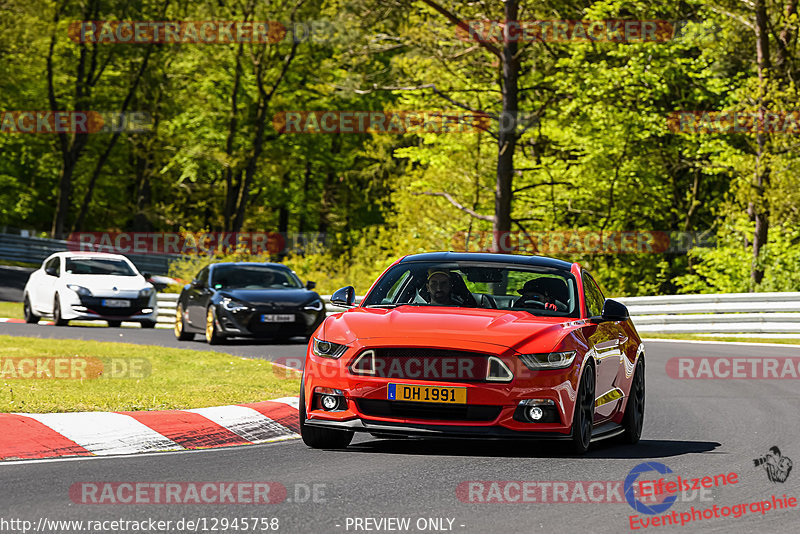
{"points": [[51, 435]]}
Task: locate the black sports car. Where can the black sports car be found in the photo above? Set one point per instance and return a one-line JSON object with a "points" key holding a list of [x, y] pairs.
{"points": [[265, 300]]}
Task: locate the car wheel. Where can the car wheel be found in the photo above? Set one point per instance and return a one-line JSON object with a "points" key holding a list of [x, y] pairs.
{"points": [[57, 319], [148, 324], [321, 438], [30, 317], [114, 324], [212, 334], [633, 420], [583, 419], [180, 327]]}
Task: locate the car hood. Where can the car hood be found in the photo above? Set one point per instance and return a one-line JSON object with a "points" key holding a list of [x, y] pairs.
{"points": [[275, 297], [446, 327], [104, 283]]}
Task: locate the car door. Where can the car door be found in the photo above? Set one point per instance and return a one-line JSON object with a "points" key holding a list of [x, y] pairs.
{"points": [[605, 343], [46, 286], [196, 299]]}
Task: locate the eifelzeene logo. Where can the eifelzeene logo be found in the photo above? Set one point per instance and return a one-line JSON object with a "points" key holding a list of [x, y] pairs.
{"points": [[777, 467]]}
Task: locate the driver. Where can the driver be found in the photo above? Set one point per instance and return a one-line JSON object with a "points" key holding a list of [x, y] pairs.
{"points": [[532, 292], [439, 287]]}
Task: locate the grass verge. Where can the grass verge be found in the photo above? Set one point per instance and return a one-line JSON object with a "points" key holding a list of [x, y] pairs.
{"points": [[692, 337], [177, 378], [11, 310]]}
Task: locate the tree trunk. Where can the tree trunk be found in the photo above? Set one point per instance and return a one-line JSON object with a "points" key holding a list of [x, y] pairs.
{"points": [[758, 208], [507, 135]]}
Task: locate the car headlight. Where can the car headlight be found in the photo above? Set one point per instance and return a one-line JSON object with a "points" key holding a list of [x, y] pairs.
{"points": [[548, 360], [146, 292], [80, 290], [315, 305], [326, 349], [232, 305]]}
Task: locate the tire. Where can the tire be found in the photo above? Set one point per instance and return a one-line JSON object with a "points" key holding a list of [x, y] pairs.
{"points": [[114, 324], [57, 319], [213, 337], [148, 324], [583, 418], [180, 327], [321, 438], [633, 420], [27, 309]]}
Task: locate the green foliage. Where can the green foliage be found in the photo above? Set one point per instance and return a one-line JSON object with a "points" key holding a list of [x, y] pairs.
{"points": [[596, 155]]}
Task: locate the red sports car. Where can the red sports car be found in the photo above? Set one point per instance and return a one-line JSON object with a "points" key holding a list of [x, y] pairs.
{"points": [[478, 346]]}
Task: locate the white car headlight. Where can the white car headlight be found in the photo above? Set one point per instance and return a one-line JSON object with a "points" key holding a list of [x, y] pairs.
{"points": [[232, 305], [548, 360], [80, 290], [146, 292], [326, 349]]}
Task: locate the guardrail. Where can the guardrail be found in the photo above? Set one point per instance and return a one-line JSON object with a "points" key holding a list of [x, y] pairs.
{"points": [[740, 313], [727, 313], [35, 249]]}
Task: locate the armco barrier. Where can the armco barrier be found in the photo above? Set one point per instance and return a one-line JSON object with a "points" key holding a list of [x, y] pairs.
{"points": [[740, 313], [36, 249], [726, 313]]}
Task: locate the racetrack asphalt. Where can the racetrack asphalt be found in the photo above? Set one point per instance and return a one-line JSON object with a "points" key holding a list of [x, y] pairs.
{"points": [[695, 427]]}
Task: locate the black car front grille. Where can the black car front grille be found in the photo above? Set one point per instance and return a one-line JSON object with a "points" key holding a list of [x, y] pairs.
{"points": [[428, 410]]}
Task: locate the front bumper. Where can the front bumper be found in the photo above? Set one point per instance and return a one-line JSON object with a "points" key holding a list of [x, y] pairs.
{"points": [[389, 428], [75, 306], [489, 412], [247, 322]]}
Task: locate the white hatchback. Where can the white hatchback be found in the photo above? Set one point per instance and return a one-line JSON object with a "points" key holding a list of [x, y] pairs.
{"points": [[89, 285]]}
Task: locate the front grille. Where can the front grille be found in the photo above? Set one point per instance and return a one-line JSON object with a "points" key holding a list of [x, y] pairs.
{"points": [[426, 364], [135, 307], [428, 410]]}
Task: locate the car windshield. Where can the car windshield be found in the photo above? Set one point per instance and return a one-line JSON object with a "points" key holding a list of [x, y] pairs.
{"points": [[99, 266], [537, 290], [253, 277]]}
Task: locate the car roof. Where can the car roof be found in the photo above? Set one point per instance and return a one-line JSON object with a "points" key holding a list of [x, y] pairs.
{"points": [[538, 261], [264, 264], [89, 254]]}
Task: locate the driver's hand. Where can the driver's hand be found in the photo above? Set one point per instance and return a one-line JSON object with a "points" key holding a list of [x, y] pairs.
{"points": [[551, 306]]}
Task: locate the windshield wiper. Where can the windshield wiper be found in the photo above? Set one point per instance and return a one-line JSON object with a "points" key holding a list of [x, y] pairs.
{"points": [[395, 305]]}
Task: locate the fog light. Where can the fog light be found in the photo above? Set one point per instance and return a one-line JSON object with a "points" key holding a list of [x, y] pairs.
{"points": [[535, 413], [329, 402]]}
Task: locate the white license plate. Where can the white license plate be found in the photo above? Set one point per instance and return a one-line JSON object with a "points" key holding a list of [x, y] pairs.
{"points": [[278, 318], [115, 303]]}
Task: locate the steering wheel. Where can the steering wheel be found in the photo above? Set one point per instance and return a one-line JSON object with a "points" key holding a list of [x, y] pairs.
{"points": [[527, 303]]}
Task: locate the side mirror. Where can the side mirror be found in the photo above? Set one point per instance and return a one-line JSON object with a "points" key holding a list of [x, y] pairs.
{"points": [[147, 275], [310, 285], [50, 271], [197, 284], [344, 297], [612, 311]]}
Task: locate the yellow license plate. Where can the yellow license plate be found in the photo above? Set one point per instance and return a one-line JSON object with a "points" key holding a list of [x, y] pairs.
{"points": [[412, 393]]}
